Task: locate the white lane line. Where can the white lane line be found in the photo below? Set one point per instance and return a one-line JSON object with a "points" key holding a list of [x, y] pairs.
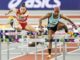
{"points": [[71, 52], [32, 52]]}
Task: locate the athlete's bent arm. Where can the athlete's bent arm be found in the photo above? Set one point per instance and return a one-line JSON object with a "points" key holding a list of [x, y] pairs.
{"points": [[66, 18], [44, 17]]}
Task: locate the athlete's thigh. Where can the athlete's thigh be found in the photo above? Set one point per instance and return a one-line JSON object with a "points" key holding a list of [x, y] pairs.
{"points": [[18, 27], [60, 26], [30, 28], [27, 28], [50, 33]]}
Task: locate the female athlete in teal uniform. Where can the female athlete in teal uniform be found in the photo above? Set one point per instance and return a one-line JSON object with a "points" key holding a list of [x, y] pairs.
{"points": [[54, 24]]}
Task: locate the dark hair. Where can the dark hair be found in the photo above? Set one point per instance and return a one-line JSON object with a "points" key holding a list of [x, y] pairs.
{"points": [[23, 5]]}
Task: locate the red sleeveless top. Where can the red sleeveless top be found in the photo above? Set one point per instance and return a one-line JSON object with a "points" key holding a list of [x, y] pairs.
{"points": [[19, 18]]}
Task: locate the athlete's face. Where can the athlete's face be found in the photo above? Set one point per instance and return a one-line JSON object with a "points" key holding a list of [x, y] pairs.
{"points": [[22, 9], [56, 11]]}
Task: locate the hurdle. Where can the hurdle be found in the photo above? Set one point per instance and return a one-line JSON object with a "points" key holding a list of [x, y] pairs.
{"points": [[23, 38], [65, 47], [55, 49], [6, 42], [78, 46], [37, 40], [0, 50], [41, 41], [0, 47], [21, 43], [55, 40]]}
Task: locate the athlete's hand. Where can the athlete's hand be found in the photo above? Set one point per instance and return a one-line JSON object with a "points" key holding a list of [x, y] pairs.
{"points": [[6, 13], [74, 26], [40, 26]]}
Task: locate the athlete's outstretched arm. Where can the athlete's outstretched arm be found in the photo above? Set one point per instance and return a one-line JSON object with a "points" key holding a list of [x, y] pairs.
{"points": [[44, 17], [9, 12], [13, 10], [66, 18]]}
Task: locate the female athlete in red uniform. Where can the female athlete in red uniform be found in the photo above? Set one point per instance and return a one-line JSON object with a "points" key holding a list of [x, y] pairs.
{"points": [[22, 17]]}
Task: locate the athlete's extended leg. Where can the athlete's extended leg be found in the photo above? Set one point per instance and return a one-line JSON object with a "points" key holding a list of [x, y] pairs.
{"points": [[18, 27], [31, 29], [63, 26]]}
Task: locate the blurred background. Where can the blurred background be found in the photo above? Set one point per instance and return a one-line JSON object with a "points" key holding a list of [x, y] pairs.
{"points": [[36, 9]]}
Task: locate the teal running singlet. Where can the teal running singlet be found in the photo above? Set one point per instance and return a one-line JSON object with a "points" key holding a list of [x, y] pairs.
{"points": [[52, 21]]}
